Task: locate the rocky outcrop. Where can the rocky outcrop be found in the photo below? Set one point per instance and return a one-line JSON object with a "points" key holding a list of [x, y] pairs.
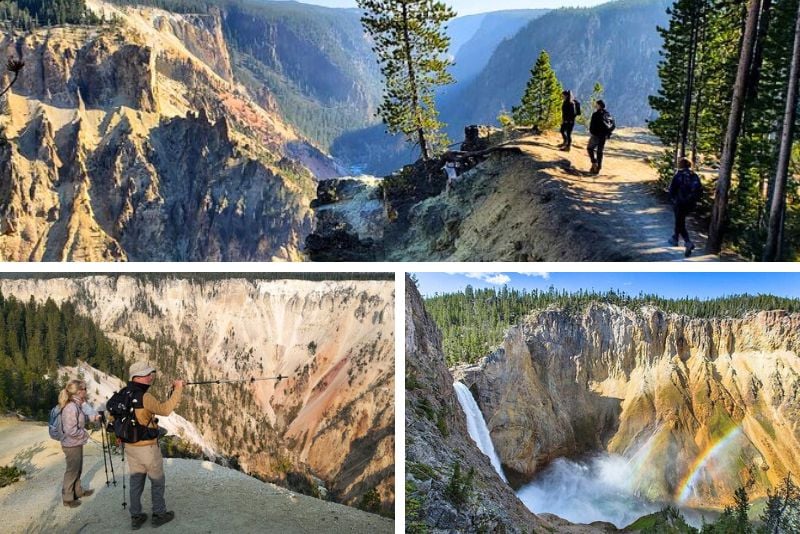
{"points": [[437, 440], [659, 389], [132, 141], [326, 428]]}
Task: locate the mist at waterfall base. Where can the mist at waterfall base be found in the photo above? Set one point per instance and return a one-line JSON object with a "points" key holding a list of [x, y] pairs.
{"points": [[595, 489]]}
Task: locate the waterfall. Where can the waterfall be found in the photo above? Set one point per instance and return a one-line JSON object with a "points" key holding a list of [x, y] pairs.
{"points": [[477, 426]]}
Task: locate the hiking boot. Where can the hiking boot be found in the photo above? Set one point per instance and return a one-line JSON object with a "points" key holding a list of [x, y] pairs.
{"points": [[87, 493], [137, 521], [564, 148], [594, 169], [673, 241], [160, 519], [689, 249], [72, 504]]}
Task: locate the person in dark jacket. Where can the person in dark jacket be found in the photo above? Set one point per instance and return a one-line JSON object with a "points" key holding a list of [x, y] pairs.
{"points": [[600, 127], [569, 111], [684, 192]]}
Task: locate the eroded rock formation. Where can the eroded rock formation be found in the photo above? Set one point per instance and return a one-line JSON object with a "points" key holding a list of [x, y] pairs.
{"points": [[660, 389]]}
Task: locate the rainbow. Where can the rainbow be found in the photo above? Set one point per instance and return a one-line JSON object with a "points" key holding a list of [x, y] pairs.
{"points": [[684, 489]]}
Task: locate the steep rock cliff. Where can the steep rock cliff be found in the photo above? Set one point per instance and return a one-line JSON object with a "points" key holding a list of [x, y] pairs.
{"points": [[437, 439], [331, 417], [662, 390], [133, 141]]}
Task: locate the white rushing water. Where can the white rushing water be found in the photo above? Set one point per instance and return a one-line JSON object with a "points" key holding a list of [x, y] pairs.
{"points": [[476, 426], [598, 489]]}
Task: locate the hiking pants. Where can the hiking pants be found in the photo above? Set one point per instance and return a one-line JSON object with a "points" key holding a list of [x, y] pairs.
{"points": [[566, 132], [71, 489], [599, 143], [680, 223], [146, 462]]}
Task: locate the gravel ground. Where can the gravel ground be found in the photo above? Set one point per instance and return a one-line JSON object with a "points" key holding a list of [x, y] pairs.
{"points": [[204, 496]]}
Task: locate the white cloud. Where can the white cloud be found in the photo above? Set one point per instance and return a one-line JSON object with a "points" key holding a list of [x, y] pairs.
{"points": [[498, 279], [490, 278], [546, 276]]}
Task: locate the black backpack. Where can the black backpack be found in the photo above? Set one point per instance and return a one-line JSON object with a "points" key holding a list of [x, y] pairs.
{"points": [[577, 108], [690, 189], [122, 406], [608, 122]]}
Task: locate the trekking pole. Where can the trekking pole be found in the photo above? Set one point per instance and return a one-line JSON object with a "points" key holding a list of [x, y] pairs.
{"points": [[236, 380], [232, 381], [124, 493], [110, 457], [103, 440]]}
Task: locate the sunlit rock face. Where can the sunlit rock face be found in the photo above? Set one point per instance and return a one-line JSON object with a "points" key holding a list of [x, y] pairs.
{"points": [[133, 141], [330, 418], [698, 407]]}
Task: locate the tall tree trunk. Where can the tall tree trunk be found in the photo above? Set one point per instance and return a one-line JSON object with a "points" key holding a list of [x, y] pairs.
{"points": [[758, 52], [412, 79], [772, 251], [719, 212], [687, 99], [700, 53]]}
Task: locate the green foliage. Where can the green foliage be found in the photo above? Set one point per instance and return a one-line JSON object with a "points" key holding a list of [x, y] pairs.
{"points": [[459, 488], [370, 501], [29, 14], [697, 72], [441, 423], [597, 94], [541, 102], [175, 447], [414, 524], [668, 520], [411, 46], [10, 474], [473, 321], [35, 339], [782, 512], [420, 471]]}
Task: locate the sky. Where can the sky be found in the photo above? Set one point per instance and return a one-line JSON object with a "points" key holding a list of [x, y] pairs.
{"points": [[670, 285], [470, 7]]}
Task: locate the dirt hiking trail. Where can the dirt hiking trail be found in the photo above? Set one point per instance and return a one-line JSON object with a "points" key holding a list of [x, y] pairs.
{"points": [[205, 496], [621, 199]]}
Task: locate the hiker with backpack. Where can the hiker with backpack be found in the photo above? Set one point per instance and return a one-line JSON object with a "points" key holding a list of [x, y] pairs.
{"points": [[68, 425], [134, 410], [601, 126], [570, 110], [684, 193]]}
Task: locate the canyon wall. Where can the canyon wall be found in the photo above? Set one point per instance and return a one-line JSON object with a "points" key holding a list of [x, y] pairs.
{"points": [[699, 406], [131, 140], [330, 421]]}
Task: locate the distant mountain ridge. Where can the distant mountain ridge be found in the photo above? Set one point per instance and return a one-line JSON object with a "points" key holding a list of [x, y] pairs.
{"points": [[615, 43], [473, 54]]}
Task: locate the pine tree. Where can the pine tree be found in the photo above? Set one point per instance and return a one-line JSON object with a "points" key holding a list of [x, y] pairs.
{"points": [[772, 252], [411, 47], [741, 85], [541, 103]]}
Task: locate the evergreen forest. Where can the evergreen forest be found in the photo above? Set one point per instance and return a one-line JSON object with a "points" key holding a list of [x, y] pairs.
{"points": [[725, 72], [35, 339], [473, 322]]}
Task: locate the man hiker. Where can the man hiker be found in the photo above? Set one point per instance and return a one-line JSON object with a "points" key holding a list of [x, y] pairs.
{"points": [[144, 456], [601, 126], [570, 109], [684, 193]]}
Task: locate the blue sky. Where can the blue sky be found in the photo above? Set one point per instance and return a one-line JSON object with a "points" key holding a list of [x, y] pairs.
{"points": [[469, 7], [675, 285]]}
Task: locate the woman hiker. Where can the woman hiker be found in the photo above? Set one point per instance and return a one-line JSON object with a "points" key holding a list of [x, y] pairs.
{"points": [[71, 400]]}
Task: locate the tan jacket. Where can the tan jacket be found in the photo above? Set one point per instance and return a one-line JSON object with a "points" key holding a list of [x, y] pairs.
{"points": [[152, 408]]}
